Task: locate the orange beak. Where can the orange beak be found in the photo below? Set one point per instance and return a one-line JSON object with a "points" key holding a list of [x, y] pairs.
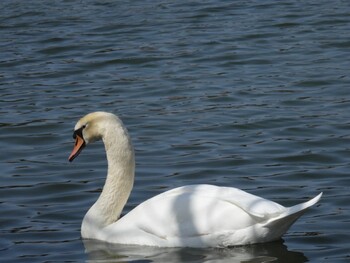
{"points": [[78, 147]]}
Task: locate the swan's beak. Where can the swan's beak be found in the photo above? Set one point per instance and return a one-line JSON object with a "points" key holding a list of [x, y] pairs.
{"points": [[78, 147]]}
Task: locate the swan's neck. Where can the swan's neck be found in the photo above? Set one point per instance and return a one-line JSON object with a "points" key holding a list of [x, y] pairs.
{"points": [[118, 185]]}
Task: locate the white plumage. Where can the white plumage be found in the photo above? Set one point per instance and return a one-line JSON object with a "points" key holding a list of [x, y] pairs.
{"points": [[188, 216]]}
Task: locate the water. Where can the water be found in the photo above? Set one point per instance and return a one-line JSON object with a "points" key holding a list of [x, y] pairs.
{"points": [[248, 94]]}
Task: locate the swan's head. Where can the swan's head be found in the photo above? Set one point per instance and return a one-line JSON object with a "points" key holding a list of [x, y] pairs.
{"points": [[88, 129]]}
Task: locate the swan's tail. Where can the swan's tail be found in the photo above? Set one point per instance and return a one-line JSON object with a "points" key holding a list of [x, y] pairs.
{"points": [[282, 223], [296, 209]]}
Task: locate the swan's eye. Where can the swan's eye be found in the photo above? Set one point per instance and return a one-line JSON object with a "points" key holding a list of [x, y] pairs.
{"points": [[79, 132]]}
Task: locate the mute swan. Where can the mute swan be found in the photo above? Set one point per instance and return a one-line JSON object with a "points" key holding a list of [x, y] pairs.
{"points": [[188, 216]]}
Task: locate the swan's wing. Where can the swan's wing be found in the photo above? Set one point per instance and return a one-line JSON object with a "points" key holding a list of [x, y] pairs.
{"points": [[251, 204], [203, 215], [197, 210]]}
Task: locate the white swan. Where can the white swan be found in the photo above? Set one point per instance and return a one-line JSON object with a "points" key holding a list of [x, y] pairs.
{"points": [[188, 216]]}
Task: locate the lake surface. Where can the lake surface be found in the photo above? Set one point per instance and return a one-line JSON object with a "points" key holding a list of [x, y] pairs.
{"points": [[248, 94]]}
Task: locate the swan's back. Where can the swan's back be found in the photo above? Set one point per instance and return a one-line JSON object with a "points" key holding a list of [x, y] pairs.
{"points": [[199, 216]]}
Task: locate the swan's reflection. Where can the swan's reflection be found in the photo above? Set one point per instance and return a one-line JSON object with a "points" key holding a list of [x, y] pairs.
{"points": [[270, 252]]}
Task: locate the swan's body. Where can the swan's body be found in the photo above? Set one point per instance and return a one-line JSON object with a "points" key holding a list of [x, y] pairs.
{"points": [[189, 216]]}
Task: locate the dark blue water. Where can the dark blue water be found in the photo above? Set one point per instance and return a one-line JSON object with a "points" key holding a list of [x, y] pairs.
{"points": [[248, 94]]}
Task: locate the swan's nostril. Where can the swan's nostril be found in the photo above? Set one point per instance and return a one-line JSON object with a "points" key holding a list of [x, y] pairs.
{"points": [[78, 147]]}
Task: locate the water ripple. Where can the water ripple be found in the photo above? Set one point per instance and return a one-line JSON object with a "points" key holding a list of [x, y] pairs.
{"points": [[246, 94]]}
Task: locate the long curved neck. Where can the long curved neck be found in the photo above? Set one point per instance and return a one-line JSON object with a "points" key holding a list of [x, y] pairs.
{"points": [[119, 181]]}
